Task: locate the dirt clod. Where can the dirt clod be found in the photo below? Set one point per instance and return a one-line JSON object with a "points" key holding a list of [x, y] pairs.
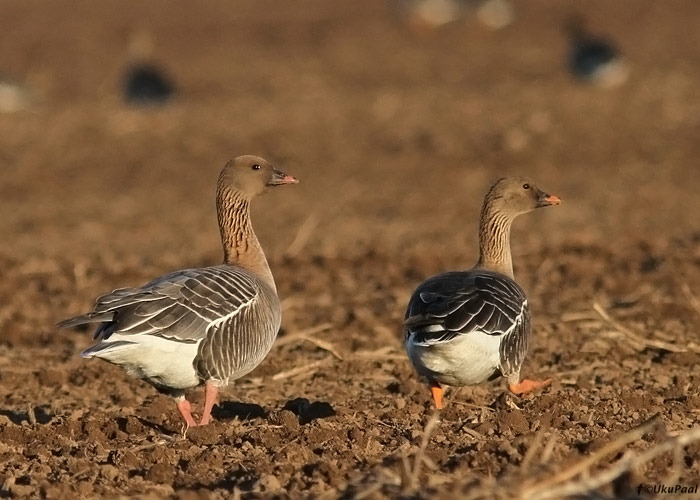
{"points": [[286, 418], [160, 473]]}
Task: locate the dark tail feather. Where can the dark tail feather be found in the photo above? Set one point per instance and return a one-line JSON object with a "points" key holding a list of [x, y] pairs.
{"points": [[86, 319]]}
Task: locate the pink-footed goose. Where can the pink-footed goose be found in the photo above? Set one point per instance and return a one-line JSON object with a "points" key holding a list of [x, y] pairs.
{"points": [[464, 327], [210, 325]]}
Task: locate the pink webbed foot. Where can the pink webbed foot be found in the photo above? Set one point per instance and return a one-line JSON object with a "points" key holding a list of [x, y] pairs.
{"points": [[183, 406]]}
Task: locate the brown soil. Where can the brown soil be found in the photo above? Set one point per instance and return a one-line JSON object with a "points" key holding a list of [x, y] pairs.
{"points": [[395, 138]]}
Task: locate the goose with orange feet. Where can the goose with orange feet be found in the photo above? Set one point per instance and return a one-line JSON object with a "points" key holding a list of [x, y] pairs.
{"points": [[465, 327]]}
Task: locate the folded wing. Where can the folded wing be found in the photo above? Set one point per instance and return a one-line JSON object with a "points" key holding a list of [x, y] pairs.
{"points": [[180, 306], [459, 303]]}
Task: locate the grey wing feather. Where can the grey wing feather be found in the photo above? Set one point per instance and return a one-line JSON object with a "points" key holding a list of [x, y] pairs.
{"points": [[453, 304], [515, 344], [179, 306], [222, 355]]}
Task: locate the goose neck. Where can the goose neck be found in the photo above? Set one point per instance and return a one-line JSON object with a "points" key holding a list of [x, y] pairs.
{"points": [[494, 241], [241, 245]]}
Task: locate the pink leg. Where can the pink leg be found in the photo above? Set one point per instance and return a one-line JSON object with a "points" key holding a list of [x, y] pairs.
{"points": [[185, 410], [210, 392]]}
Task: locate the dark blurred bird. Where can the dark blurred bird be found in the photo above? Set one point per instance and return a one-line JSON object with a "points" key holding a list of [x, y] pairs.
{"points": [[594, 59], [145, 83]]}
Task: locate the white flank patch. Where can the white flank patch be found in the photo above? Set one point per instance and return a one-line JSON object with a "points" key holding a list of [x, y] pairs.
{"points": [[467, 359], [165, 362]]}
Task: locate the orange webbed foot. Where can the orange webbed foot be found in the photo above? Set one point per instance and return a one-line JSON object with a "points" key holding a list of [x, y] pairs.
{"points": [[528, 385], [437, 392]]}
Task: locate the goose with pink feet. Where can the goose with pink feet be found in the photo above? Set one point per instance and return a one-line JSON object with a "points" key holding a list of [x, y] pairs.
{"points": [[208, 326]]}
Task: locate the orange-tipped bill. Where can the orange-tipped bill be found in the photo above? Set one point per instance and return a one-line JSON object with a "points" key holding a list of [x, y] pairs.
{"points": [[280, 179], [549, 199]]}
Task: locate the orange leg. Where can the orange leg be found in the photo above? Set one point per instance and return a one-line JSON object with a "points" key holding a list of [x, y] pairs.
{"points": [[210, 392], [528, 385], [183, 406], [437, 394]]}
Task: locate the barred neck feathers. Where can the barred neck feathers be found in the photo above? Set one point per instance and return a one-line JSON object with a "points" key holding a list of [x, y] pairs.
{"points": [[241, 245], [494, 239], [507, 198]]}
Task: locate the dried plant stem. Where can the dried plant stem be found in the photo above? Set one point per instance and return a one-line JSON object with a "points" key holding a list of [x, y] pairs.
{"points": [[629, 462], [549, 447], [293, 337], [307, 369], [31, 415], [303, 235], [386, 353], [326, 346], [305, 335], [412, 475], [690, 296], [614, 445], [638, 342], [534, 447]]}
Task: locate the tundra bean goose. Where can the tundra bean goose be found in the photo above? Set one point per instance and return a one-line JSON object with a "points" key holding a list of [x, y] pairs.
{"points": [[210, 325], [145, 83], [593, 59], [463, 327]]}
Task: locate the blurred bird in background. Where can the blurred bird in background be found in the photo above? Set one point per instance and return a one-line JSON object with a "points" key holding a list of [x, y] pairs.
{"points": [[594, 59], [424, 16], [145, 83], [14, 96]]}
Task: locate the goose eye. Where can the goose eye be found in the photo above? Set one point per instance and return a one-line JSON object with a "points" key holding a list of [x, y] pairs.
{"points": [[526, 186], [255, 167]]}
